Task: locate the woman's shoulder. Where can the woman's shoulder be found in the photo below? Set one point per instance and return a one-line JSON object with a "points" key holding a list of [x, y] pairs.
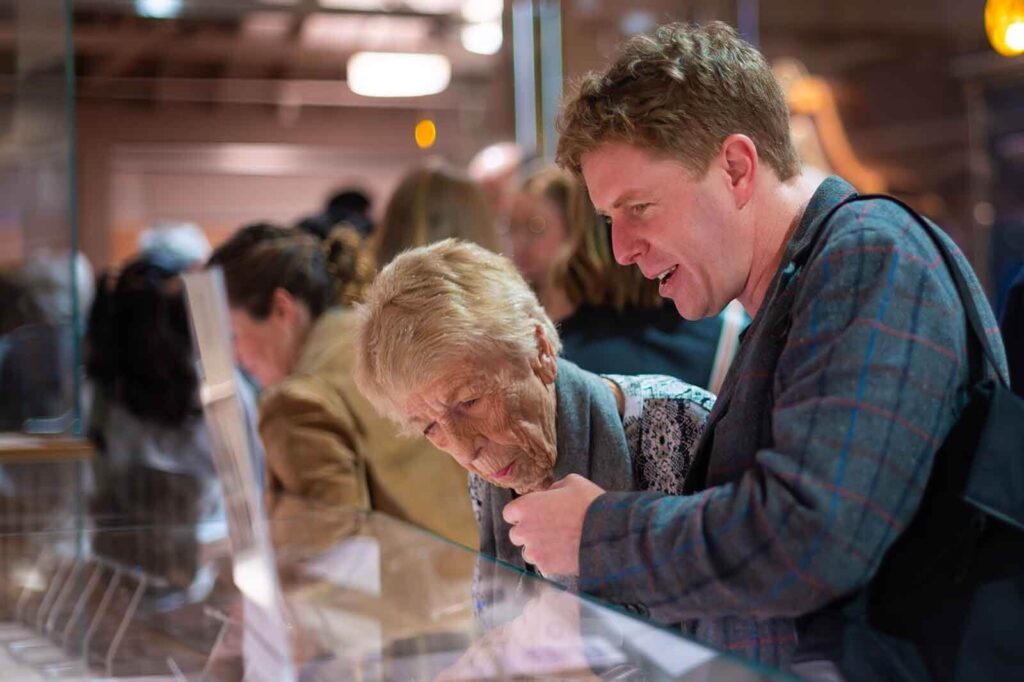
{"points": [[663, 421], [642, 389]]}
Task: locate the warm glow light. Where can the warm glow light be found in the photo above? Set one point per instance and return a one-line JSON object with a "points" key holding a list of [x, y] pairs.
{"points": [[1015, 36], [1004, 24], [398, 74], [425, 134], [482, 38]]}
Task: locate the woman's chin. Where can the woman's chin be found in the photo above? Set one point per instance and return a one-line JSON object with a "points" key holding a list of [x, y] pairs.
{"points": [[532, 486]]}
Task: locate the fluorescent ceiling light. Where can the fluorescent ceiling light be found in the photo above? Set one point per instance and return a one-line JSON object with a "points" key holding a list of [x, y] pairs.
{"points": [[433, 6], [478, 11], [398, 74], [483, 38], [158, 9], [366, 5], [380, 32]]}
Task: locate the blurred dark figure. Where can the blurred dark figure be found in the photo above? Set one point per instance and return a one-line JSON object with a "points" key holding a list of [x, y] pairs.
{"points": [[347, 207], [154, 466], [1012, 326], [37, 337]]}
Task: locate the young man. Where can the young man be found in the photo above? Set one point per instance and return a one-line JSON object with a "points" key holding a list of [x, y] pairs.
{"points": [[850, 376]]}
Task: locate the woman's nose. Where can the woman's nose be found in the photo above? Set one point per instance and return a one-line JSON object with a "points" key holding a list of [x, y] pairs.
{"points": [[456, 442]]}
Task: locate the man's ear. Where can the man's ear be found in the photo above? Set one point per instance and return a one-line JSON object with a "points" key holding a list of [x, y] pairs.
{"points": [[282, 304], [741, 164], [545, 365]]}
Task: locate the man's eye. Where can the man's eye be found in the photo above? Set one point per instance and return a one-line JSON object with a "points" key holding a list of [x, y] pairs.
{"points": [[639, 209], [430, 427], [467, 404]]}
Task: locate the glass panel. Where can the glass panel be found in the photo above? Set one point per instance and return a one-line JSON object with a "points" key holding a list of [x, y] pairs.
{"points": [[367, 597], [42, 287]]}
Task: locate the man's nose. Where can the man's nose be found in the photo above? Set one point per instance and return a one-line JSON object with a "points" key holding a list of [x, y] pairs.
{"points": [[627, 249]]}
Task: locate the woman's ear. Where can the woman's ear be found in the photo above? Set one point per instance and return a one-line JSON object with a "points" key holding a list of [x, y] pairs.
{"points": [[546, 364]]}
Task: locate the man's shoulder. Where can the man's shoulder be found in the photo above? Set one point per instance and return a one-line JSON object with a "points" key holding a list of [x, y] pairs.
{"points": [[881, 226]]}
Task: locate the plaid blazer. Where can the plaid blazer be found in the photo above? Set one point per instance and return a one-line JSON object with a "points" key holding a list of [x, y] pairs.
{"points": [[818, 449]]}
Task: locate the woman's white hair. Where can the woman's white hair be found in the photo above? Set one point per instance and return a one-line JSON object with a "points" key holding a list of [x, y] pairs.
{"points": [[437, 306]]}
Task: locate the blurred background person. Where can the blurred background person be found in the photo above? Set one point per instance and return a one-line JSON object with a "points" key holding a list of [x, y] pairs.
{"points": [[611, 318], [37, 339], [352, 206], [432, 203], [178, 245], [154, 465], [495, 169], [346, 207], [291, 296]]}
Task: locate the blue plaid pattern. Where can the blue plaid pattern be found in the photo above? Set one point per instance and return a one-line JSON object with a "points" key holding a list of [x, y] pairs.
{"points": [[818, 449]]}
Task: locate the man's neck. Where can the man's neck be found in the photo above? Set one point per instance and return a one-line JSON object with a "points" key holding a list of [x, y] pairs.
{"points": [[783, 205]]}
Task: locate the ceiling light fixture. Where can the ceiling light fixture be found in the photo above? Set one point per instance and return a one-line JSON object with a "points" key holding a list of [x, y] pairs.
{"points": [[398, 74], [478, 11], [158, 9], [482, 38]]}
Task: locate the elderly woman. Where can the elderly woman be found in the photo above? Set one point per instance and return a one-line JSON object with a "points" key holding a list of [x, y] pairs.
{"points": [[452, 343]]}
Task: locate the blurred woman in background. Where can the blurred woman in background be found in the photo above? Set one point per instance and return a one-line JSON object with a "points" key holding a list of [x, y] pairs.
{"points": [[432, 203], [291, 296], [611, 318]]}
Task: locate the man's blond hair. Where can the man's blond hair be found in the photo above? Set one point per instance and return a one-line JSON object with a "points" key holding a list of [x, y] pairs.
{"points": [[679, 92], [437, 307]]}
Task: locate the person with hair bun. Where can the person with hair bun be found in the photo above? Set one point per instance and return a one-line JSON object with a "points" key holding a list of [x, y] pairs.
{"points": [[291, 296]]}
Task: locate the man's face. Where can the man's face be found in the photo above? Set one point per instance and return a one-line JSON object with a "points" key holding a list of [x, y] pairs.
{"points": [[684, 231], [265, 348]]}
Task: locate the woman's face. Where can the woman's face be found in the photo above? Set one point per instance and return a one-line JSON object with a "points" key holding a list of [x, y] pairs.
{"points": [[269, 348], [495, 418], [537, 236]]}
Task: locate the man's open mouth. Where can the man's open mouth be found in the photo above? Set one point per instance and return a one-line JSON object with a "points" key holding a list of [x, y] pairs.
{"points": [[665, 276]]}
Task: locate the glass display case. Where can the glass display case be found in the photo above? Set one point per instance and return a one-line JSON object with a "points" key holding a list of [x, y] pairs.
{"points": [[366, 597], [44, 283]]}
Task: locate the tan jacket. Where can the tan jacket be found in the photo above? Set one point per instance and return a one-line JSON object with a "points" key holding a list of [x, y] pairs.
{"points": [[325, 443]]}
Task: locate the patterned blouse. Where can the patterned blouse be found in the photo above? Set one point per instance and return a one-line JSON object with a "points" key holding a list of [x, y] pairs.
{"points": [[663, 420]]}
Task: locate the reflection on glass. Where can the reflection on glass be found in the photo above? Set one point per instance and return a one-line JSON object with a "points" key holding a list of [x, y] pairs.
{"points": [[366, 598], [43, 284]]}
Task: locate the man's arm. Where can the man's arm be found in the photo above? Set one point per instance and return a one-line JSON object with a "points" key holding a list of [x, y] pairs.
{"points": [[868, 384]]}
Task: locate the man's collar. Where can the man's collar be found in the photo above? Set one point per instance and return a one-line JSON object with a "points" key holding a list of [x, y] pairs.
{"points": [[830, 192]]}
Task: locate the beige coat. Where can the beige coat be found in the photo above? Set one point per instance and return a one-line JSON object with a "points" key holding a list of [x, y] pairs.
{"points": [[325, 443]]}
